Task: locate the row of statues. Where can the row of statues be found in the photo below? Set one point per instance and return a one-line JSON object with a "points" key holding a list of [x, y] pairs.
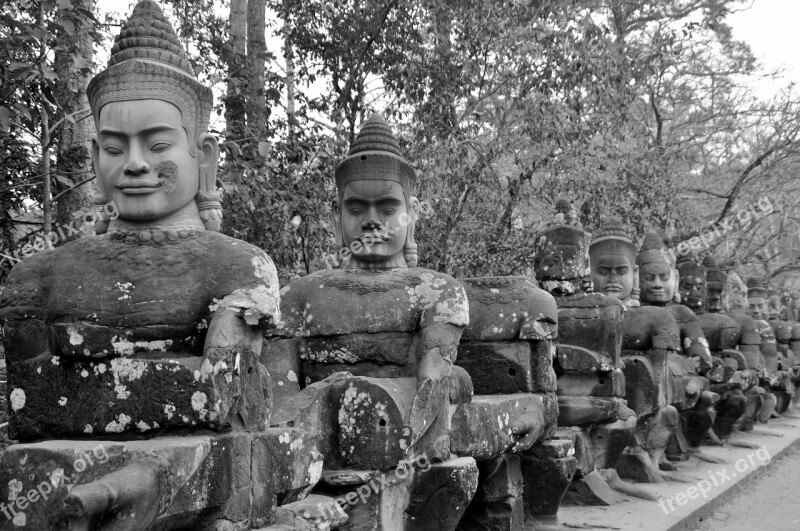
{"points": [[379, 395]]}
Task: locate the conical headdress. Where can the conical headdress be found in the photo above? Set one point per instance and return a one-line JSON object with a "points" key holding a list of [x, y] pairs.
{"points": [[653, 251], [756, 288], [613, 237], [563, 231], [713, 272], [147, 62], [375, 155]]}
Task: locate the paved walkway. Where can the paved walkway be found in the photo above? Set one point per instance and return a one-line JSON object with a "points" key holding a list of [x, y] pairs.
{"points": [[753, 490], [771, 502]]}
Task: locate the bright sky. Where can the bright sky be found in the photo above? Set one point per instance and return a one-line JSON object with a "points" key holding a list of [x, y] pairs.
{"points": [[770, 27]]}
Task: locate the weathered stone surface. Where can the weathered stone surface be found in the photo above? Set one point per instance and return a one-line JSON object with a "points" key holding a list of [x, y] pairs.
{"points": [[584, 410], [312, 513], [508, 367], [545, 483], [285, 465], [312, 306], [373, 420], [280, 359], [497, 367], [60, 396], [509, 309], [594, 322], [338, 478], [414, 495], [173, 482], [592, 489], [498, 502], [609, 439], [583, 448], [684, 386], [571, 358], [721, 331], [645, 380], [494, 424], [650, 327], [382, 348], [440, 496], [312, 410], [604, 384]]}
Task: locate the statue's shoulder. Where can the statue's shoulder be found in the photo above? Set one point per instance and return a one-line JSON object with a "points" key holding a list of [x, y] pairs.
{"points": [[442, 298], [682, 314], [27, 286]]}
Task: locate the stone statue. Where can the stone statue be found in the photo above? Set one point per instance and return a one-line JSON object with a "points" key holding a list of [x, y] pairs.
{"points": [[757, 309], [588, 363], [507, 349], [783, 330], [688, 392], [650, 335], [393, 327], [153, 328], [748, 358]]}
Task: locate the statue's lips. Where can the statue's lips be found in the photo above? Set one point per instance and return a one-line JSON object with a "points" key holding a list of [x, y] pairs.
{"points": [[139, 187], [371, 237]]}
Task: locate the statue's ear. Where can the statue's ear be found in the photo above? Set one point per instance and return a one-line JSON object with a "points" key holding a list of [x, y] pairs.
{"points": [[101, 192], [208, 157], [209, 202], [410, 249], [336, 220]]}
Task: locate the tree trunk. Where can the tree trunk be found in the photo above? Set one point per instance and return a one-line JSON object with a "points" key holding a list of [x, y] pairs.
{"points": [[236, 53], [255, 94], [289, 59], [73, 156]]}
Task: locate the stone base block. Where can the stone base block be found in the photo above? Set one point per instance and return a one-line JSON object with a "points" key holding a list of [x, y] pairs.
{"points": [[505, 367], [603, 384], [312, 513], [168, 482], [585, 410], [498, 501], [545, 482], [62, 397], [492, 425]]}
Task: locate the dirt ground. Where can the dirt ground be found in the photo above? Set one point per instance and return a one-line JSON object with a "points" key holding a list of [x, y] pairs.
{"points": [[771, 503]]}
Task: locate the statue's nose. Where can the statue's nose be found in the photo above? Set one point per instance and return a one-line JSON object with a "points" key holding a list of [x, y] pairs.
{"points": [[136, 167], [371, 224]]}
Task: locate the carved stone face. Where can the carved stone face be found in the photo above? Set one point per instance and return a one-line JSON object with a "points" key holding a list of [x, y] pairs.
{"points": [[757, 307], [714, 290], [613, 274], [774, 307], [566, 262], [693, 288], [375, 221], [657, 282], [142, 159]]}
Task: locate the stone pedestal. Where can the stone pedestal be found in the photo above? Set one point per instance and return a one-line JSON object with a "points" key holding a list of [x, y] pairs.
{"points": [[547, 474], [200, 481]]}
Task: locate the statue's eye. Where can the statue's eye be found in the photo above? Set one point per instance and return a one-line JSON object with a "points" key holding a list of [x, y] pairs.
{"points": [[388, 212], [112, 150], [159, 147], [355, 211]]}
